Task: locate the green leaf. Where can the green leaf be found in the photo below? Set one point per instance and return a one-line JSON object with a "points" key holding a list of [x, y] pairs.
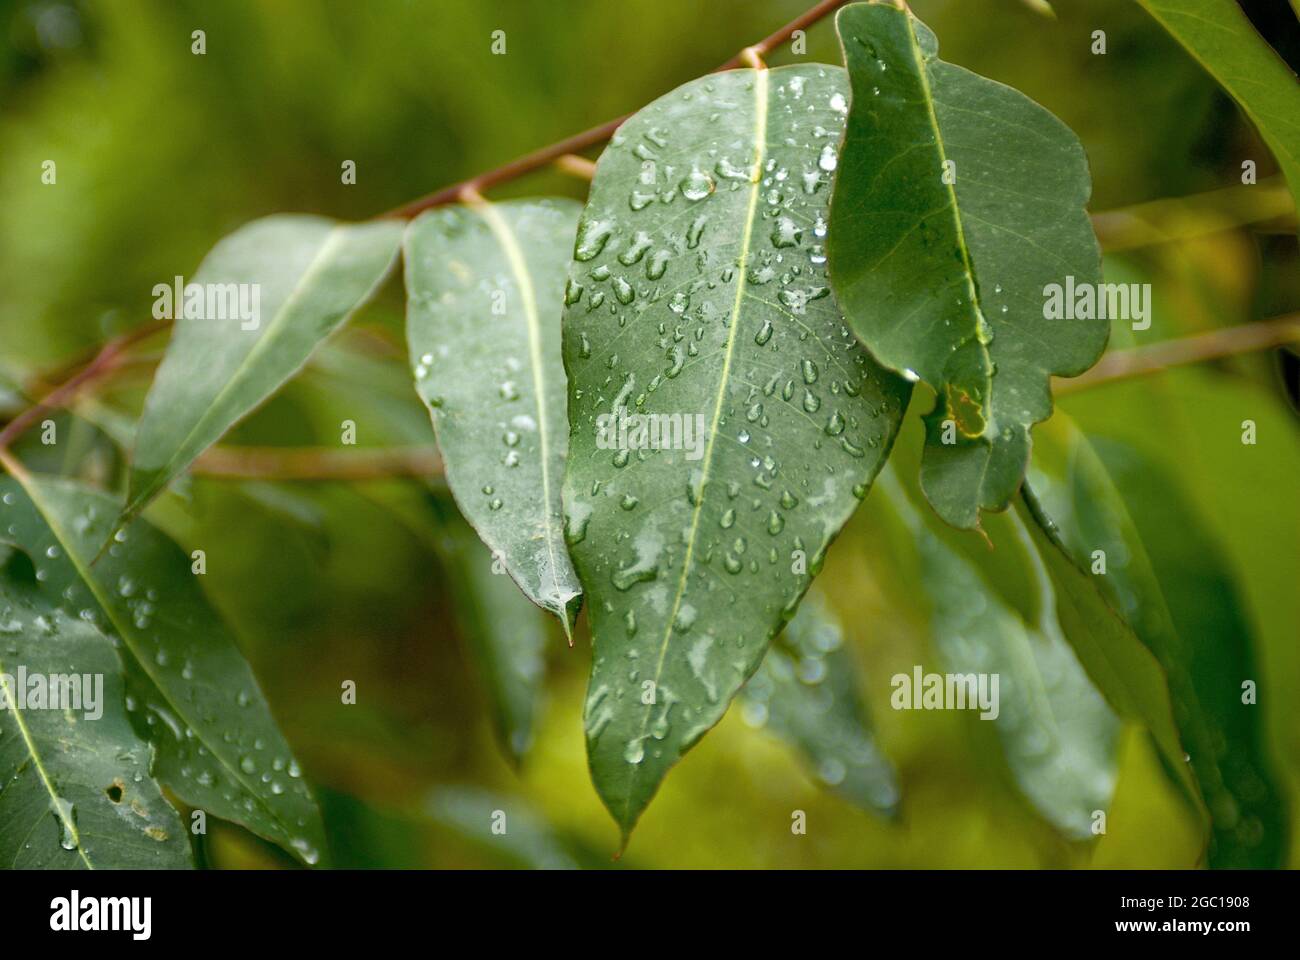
{"points": [[807, 693], [1119, 664], [1224, 42], [958, 202], [77, 791], [1058, 734], [505, 633], [485, 288], [218, 748], [308, 274], [1166, 573], [698, 295]]}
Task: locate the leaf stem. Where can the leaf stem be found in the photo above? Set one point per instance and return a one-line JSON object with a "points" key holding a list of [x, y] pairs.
{"points": [[602, 132], [576, 166], [751, 57]]}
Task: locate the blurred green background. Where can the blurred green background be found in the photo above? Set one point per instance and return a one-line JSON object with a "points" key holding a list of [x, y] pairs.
{"points": [[160, 152]]}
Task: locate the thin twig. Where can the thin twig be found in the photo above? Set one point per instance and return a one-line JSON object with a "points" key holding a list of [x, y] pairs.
{"points": [[318, 463], [598, 134], [109, 357], [1230, 341]]}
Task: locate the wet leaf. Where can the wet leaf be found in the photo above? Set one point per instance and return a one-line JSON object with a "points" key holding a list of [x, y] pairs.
{"points": [[807, 693], [218, 748], [77, 793], [1166, 572], [698, 296], [1224, 42], [1058, 734], [304, 275], [485, 287], [958, 203]]}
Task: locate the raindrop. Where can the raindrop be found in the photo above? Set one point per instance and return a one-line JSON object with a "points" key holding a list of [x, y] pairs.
{"points": [[697, 185], [592, 237]]}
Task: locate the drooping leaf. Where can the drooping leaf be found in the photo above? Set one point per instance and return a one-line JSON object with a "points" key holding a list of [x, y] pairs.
{"points": [[1167, 575], [1131, 679], [506, 634], [698, 297], [806, 692], [305, 275], [1223, 41], [958, 203], [1058, 734], [77, 794], [485, 288], [217, 746]]}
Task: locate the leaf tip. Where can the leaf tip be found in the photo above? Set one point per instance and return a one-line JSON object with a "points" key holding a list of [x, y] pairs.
{"points": [[568, 611]]}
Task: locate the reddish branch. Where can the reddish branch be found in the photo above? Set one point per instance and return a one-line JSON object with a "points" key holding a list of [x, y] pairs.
{"points": [[110, 357]]}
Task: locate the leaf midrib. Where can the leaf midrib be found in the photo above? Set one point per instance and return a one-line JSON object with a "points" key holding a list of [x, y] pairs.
{"points": [[760, 148], [967, 267], [40, 768], [519, 267]]}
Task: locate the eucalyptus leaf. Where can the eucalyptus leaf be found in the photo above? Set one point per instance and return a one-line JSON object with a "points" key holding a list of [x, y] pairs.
{"points": [[1121, 666], [1166, 572], [485, 288], [218, 747], [304, 275], [1226, 44], [505, 633], [958, 203], [1058, 734], [807, 693], [698, 298], [78, 794]]}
